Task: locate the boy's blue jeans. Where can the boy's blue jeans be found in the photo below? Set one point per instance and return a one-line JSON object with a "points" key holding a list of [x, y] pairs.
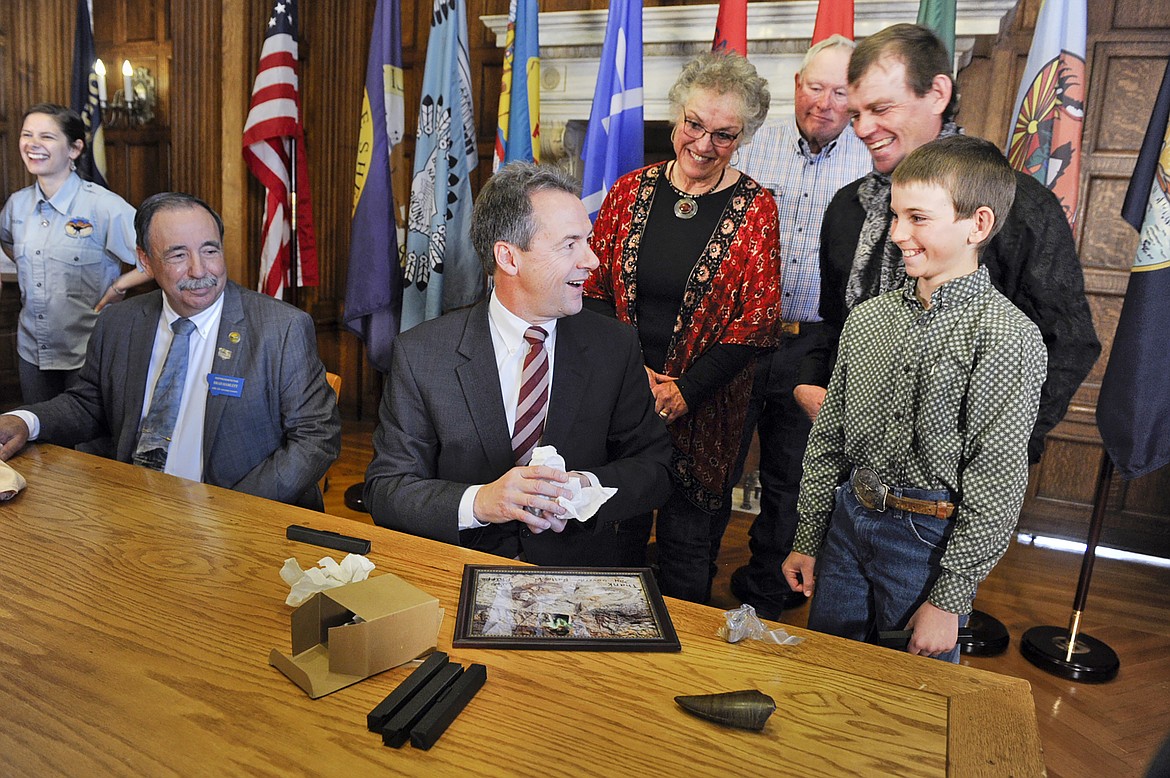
{"points": [[876, 568]]}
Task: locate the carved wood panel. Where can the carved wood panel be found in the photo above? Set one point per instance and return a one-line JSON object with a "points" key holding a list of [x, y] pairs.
{"points": [[1126, 59], [7, 132]]}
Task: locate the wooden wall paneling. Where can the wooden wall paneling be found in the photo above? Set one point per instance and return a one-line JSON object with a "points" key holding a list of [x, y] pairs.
{"points": [[335, 41], [1126, 75], [1062, 464], [976, 86], [137, 162], [9, 372], [9, 292], [1124, 64], [1139, 16], [40, 53], [333, 78], [1108, 243], [42, 40], [8, 115], [233, 103], [195, 103], [137, 158], [143, 21], [137, 31], [487, 67]]}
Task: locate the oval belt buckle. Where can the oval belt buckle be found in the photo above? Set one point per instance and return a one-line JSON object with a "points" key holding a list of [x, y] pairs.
{"points": [[871, 492]]}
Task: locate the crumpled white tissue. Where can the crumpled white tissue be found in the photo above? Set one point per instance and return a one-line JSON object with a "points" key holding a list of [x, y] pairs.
{"points": [[585, 500], [11, 482], [744, 623], [306, 583]]}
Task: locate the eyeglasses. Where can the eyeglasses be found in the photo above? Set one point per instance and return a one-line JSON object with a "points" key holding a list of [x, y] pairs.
{"points": [[719, 138]]}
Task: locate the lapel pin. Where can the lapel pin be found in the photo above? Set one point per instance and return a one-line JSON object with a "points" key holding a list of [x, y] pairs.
{"points": [[224, 353], [234, 337]]}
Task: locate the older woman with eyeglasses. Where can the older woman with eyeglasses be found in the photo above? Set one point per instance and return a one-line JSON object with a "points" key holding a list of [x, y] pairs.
{"points": [[689, 256]]}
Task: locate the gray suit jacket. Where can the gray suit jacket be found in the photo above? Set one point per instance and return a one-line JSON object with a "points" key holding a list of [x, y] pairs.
{"points": [[274, 441], [442, 428]]}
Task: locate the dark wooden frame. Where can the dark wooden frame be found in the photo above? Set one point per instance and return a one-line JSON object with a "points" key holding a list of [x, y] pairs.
{"points": [[465, 637]]}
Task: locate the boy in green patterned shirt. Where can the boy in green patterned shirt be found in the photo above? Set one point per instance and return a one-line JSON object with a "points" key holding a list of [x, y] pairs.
{"points": [[917, 463]]}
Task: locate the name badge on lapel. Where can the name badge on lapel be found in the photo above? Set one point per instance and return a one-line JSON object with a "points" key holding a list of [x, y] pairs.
{"points": [[227, 385]]}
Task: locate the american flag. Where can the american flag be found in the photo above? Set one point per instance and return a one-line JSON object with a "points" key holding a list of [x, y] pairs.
{"points": [[273, 139]]}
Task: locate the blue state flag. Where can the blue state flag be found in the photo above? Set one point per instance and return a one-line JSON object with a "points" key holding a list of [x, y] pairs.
{"points": [[373, 288], [84, 98], [518, 129], [441, 269], [1133, 409], [614, 143]]}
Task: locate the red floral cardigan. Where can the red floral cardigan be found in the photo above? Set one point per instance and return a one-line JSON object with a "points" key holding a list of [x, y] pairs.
{"points": [[732, 296]]}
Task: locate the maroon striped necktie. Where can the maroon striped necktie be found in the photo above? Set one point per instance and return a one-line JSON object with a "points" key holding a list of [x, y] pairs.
{"points": [[533, 397]]}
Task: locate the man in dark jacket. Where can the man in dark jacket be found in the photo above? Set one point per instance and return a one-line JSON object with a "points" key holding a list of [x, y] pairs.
{"points": [[901, 97]]}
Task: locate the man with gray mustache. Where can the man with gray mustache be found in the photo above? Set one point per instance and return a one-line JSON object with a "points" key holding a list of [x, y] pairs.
{"points": [[202, 379]]}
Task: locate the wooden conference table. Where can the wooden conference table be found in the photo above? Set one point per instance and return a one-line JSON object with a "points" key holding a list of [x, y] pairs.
{"points": [[137, 611]]}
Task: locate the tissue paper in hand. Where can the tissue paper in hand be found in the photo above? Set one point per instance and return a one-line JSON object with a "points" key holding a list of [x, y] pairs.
{"points": [[585, 500]]}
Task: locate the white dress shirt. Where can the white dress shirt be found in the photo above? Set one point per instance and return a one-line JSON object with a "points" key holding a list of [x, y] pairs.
{"points": [[507, 331], [185, 454]]}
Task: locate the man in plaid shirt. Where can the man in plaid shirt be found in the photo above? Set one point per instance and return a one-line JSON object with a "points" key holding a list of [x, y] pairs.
{"points": [[803, 161]]}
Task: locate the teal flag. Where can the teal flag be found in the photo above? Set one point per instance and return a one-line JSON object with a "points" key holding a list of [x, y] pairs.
{"points": [[939, 15], [441, 269]]}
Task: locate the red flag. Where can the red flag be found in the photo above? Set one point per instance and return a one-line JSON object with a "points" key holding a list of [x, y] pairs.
{"points": [[274, 150], [833, 17], [731, 27]]}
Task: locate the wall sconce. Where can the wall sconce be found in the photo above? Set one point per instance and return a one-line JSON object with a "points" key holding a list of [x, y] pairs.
{"points": [[133, 104]]}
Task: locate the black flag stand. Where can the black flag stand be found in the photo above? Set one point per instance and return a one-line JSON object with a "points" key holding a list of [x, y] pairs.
{"points": [[1070, 653], [989, 636]]}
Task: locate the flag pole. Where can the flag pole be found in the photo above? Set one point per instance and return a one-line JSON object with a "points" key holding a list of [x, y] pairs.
{"points": [[1071, 653], [293, 242]]}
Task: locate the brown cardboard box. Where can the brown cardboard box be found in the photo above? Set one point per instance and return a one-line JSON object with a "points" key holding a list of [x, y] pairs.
{"points": [[397, 622]]}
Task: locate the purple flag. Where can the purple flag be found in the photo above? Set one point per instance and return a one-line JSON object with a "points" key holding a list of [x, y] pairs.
{"points": [[373, 289]]}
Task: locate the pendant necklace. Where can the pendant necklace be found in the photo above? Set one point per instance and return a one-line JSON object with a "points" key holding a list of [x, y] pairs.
{"points": [[688, 204]]}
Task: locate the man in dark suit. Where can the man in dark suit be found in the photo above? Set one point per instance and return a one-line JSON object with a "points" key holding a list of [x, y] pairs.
{"points": [[251, 408], [447, 463]]}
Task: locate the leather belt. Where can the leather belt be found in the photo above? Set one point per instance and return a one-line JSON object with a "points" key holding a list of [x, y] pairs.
{"points": [[875, 496]]}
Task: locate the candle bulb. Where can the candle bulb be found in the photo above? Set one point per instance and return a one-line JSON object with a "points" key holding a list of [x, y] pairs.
{"points": [[99, 67], [127, 86]]}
